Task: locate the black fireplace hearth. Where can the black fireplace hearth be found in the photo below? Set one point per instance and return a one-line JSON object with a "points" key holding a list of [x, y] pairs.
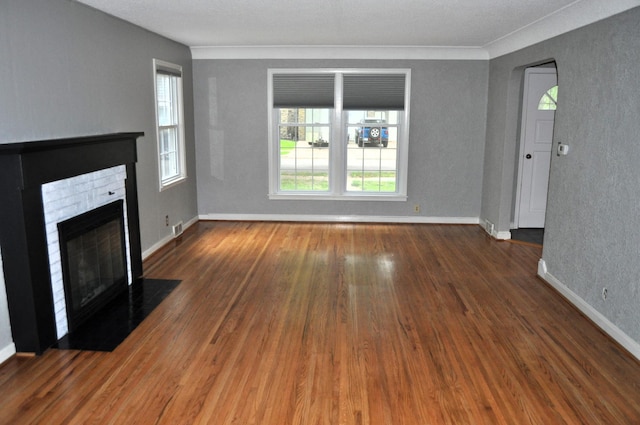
{"points": [[113, 323]]}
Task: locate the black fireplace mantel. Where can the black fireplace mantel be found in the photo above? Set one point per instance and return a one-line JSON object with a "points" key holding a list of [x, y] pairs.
{"points": [[24, 168]]}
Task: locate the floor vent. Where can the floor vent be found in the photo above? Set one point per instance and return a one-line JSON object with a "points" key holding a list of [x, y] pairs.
{"points": [[177, 229], [488, 226]]}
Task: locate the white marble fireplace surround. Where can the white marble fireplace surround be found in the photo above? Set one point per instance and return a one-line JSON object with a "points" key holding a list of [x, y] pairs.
{"points": [[67, 198]]}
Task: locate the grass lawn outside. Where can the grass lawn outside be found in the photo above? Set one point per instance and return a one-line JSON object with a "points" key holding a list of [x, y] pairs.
{"points": [[308, 181], [286, 146], [372, 181]]}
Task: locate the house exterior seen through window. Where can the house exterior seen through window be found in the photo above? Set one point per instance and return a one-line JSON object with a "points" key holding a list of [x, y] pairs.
{"points": [[169, 118], [338, 134]]}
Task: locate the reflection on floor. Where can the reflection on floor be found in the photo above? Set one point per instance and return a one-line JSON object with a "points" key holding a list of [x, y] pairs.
{"points": [[110, 326], [534, 236]]}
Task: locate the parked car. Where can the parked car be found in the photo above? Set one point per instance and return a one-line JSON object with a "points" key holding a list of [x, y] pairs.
{"points": [[319, 143], [372, 131]]}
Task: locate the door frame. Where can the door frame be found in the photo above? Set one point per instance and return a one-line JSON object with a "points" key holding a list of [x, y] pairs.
{"points": [[523, 116]]}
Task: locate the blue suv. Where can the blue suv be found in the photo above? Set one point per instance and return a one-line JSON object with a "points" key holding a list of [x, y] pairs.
{"points": [[371, 131]]}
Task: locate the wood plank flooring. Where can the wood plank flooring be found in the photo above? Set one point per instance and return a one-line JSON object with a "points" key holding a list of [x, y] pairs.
{"points": [[297, 323]]}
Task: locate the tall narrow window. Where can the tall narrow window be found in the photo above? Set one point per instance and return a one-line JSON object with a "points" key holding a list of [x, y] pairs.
{"points": [[338, 134], [169, 118]]}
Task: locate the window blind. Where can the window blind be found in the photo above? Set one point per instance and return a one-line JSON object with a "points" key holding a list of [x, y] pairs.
{"points": [[167, 70], [303, 90], [373, 91]]}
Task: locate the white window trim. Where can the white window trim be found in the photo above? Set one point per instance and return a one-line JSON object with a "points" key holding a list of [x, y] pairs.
{"points": [[337, 156], [182, 163]]}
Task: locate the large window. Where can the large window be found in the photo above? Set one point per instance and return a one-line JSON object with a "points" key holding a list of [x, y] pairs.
{"points": [[337, 134], [169, 118]]}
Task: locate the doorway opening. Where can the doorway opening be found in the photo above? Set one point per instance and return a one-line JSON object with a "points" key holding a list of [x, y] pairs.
{"points": [[539, 103]]}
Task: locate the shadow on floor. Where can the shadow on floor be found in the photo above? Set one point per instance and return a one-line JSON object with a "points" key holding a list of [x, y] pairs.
{"points": [[533, 236]]}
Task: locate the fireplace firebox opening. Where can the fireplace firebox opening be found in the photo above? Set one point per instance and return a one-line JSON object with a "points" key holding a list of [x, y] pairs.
{"points": [[94, 260]]}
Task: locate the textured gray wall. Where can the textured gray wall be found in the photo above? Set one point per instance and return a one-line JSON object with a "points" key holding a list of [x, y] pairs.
{"points": [[448, 112], [592, 237], [69, 70]]}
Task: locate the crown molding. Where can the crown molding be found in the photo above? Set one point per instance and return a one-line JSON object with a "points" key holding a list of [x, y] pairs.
{"points": [[339, 52]]}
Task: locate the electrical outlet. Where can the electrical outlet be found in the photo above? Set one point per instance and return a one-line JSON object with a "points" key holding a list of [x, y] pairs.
{"points": [[416, 208], [166, 220], [604, 293]]}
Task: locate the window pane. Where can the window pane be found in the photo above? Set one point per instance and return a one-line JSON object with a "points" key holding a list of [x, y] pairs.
{"points": [[169, 152], [372, 181], [164, 140], [372, 151], [304, 115], [549, 100], [304, 149], [304, 181], [169, 165], [168, 139], [167, 99], [371, 169]]}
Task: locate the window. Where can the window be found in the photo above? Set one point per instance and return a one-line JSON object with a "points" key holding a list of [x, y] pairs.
{"points": [[169, 120], [549, 100], [338, 134]]}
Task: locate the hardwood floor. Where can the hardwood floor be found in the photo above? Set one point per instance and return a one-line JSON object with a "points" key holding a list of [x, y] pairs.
{"points": [[295, 323]]}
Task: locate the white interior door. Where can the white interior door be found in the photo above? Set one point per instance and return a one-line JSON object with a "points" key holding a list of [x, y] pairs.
{"points": [[538, 113]]}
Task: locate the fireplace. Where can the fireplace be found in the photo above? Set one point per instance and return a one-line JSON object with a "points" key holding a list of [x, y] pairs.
{"points": [[25, 169], [94, 263]]}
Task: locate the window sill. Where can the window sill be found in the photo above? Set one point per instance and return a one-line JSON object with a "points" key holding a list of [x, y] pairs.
{"points": [[171, 183], [393, 197]]}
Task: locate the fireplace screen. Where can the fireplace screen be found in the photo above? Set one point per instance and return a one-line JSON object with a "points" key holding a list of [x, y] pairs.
{"points": [[94, 262]]}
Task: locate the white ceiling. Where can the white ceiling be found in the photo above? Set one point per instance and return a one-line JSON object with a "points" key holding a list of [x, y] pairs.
{"points": [[498, 25]]}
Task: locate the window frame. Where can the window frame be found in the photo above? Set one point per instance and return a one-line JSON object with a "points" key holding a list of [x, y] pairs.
{"points": [[339, 132], [168, 68]]}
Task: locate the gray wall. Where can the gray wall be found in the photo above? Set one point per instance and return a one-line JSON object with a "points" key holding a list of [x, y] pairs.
{"points": [[592, 237], [448, 113], [69, 70]]}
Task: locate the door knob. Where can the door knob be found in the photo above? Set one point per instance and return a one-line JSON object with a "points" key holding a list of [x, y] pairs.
{"points": [[528, 156]]}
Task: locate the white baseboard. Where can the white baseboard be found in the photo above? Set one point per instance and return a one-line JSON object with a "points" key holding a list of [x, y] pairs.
{"points": [[162, 242], [7, 352], [340, 218], [542, 268], [503, 235], [601, 321]]}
